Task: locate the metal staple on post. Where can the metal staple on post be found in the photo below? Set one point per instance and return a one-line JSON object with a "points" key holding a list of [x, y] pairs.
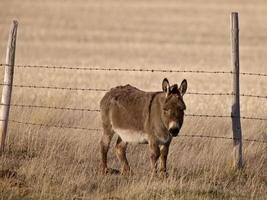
{"points": [[8, 80], [236, 124]]}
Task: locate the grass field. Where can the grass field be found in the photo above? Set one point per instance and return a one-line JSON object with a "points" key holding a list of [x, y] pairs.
{"points": [[52, 163]]}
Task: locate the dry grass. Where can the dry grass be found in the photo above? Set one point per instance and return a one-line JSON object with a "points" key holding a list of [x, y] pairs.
{"points": [[50, 163]]}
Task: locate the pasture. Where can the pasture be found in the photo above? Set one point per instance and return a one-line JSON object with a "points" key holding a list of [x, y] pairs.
{"points": [[54, 163]]}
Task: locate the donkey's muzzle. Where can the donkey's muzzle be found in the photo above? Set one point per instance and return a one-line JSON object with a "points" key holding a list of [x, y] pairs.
{"points": [[174, 131]]}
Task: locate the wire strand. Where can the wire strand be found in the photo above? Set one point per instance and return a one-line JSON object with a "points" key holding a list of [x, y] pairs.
{"points": [[98, 129], [52, 107], [53, 126], [225, 116], [133, 69], [98, 110], [53, 87], [118, 69], [222, 137], [105, 90]]}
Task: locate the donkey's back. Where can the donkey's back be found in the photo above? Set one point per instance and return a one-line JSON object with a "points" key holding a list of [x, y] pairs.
{"points": [[125, 107]]}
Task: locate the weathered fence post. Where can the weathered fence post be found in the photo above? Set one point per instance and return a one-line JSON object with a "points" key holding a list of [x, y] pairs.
{"points": [[236, 125], [8, 80]]}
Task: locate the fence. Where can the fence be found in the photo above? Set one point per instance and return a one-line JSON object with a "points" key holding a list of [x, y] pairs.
{"points": [[235, 115]]}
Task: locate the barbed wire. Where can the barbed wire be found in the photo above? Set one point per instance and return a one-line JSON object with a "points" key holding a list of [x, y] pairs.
{"points": [[223, 137], [53, 87], [252, 74], [98, 110], [105, 90], [52, 107], [207, 115], [130, 70], [98, 129], [134, 69], [53, 126], [118, 69], [226, 94], [254, 118], [254, 96], [211, 93], [225, 116]]}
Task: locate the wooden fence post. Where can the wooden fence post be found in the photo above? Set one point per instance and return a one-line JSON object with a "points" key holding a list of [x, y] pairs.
{"points": [[236, 124], [8, 80]]}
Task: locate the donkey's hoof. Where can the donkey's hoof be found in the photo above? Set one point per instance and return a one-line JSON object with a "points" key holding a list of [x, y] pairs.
{"points": [[110, 171], [163, 174]]}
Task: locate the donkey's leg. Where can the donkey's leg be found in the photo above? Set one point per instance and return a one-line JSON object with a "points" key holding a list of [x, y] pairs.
{"points": [[164, 150], [121, 147], [104, 145], [154, 155]]}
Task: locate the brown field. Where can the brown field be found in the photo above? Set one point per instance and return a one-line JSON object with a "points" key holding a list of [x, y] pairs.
{"points": [[53, 163]]}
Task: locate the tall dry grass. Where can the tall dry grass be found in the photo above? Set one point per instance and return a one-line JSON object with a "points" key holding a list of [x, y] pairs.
{"points": [[51, 163]]}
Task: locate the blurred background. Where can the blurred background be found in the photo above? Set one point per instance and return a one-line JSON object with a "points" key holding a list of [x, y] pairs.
{"points": [[125, 33]]}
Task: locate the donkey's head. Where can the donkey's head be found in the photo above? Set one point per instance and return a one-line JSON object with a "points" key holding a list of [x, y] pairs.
{"points": [[173, 107]]}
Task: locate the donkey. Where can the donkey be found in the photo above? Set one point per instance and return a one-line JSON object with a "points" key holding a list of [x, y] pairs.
{"points": [[152, 118]]}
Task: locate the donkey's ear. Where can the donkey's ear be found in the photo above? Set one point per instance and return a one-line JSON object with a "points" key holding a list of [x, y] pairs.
{"points": [[165, 86], [183, 87]]}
